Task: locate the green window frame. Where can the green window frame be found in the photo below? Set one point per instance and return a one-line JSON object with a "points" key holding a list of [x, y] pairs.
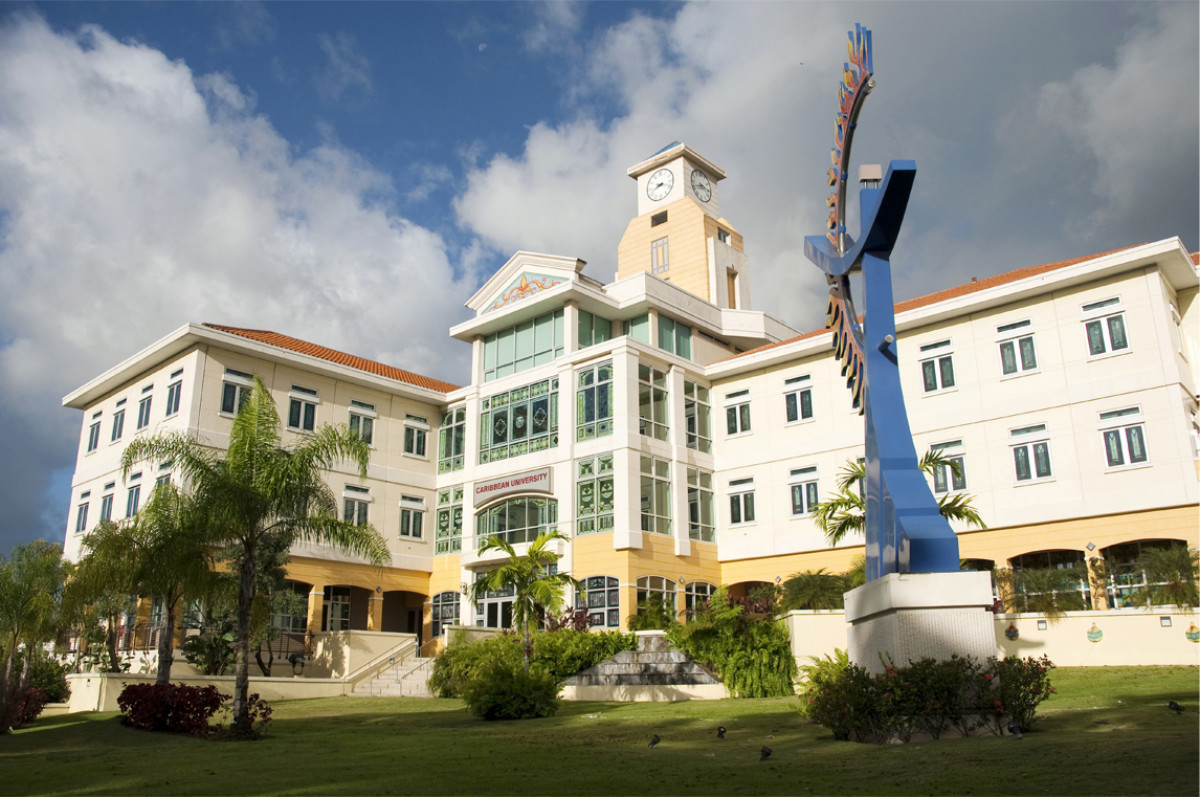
{"points": [[452, 440], [448, 534], [594, 495], [593, 329], [523, 346], [653, 402], [593, 402], [520, 421], [702, 523], [697, 416], [655, 495], [517, 520]]}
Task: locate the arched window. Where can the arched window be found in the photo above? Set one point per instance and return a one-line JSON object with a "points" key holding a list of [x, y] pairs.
{"points": [[600, 596], [445, 611], [695, 596], [652, 588], [517, 520], [1027, 566], [1125, 578]]}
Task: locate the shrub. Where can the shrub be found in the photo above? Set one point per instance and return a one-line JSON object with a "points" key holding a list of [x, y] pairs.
{"points": [[560, 654], [28, 706], [174, 708], [927, 695], [50, 676], [1024, 683], [502, 691], [257, 709]]}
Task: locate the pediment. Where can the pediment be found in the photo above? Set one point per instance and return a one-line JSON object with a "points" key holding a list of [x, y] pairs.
{"points": [[526, 274]]}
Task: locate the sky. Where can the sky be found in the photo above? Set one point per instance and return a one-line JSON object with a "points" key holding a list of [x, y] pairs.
{"points": [[350, 173]]}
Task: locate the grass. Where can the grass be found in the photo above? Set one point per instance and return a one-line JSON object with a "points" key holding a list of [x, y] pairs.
{"points": [[1107, 731]]}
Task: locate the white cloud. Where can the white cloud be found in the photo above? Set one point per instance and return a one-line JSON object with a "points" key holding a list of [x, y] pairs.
{"points": [[136, 196], [346, 68]]}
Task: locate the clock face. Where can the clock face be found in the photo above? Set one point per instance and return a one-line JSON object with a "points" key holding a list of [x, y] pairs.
{"points": [[701, 186], [660, 184]]}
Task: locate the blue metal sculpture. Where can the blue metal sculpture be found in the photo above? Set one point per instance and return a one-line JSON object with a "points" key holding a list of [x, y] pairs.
{"points": [[905, 530]]}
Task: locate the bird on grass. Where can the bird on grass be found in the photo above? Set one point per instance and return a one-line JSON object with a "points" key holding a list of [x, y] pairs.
{"points": [[764, 754], [1178, 709], [654, 740], [720, 731], [1015, 730]]}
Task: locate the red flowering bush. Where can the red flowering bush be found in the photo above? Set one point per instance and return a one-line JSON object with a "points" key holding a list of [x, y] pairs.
{"points": [[174, 708], [927, 696]]}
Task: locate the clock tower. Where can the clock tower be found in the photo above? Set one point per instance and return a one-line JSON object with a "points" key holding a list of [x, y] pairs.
{"points": [[679, 234]]}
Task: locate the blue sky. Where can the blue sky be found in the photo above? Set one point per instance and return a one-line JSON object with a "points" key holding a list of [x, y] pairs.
{"points": [[349, 173]]}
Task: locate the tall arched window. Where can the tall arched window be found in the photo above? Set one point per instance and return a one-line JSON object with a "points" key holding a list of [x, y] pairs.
{"points": [[652, 588], [517, 520], [445, 611], [695, 596]]}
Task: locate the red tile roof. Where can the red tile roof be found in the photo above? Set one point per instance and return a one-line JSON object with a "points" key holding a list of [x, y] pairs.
{"points": [[959, 290], [334, 356]]}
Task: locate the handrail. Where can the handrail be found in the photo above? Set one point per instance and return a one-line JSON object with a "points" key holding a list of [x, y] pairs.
{"points": [[386, 659]]}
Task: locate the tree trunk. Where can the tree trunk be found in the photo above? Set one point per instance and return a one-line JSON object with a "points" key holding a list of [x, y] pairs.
{"points": [[527, 643], [166, 644], [241, 668], [110, 643], [265, 666]]}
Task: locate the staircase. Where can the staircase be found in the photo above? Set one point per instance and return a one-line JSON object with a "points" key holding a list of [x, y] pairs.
{"points": [[408, 678], [654, 663]]}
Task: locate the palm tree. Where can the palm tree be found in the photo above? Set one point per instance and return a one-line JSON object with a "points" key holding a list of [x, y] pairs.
{"points": [[1170, 576], [1048, 591], [31, 583], [814, 589], [104, 582], [533, 578], [260, 492], [845, 512]]}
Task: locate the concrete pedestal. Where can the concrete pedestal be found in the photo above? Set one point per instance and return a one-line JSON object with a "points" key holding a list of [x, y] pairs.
{"points": [[910, 616]]}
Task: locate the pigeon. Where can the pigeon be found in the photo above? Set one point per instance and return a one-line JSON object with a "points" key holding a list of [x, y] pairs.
{"points": [[720, 731], [1015, 730], [1178, 709], [765, 754], [654, 740]]}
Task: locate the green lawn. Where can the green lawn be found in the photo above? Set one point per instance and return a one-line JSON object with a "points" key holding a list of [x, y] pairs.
{"points": [[1107, 731]]}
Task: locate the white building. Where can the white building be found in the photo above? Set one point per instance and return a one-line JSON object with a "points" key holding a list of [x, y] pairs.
{"points": [[679, 438]]}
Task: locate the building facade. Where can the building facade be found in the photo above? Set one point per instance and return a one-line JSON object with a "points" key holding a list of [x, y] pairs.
{"points": [[680, 439]]}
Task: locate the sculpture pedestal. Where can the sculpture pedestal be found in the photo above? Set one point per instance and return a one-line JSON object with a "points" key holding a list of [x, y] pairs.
{"points": [[908, 616]]}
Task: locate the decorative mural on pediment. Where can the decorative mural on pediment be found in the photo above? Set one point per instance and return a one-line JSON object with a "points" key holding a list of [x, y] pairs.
{"points": [[522, 287]]}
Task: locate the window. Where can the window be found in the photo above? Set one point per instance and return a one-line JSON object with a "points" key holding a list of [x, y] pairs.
{"points": [[937, 366], [802, 483], [143, 419], [337, 609], [302, 409], [519, 421], [164, 475], [412, 513], [445, 611], [235, 390], [1071, 561], [1124, 437], [521, 347], [637, 328], [697, 415], [289, 615], [701, 523], [737, 412], [1104, 323], [594, 494], [741, 501], [174, 391], [600, 597], [355, 502], [1031, 452], [81, 513], [658, 218], [448, 535], [656, 495], [593, 402], [945, 478], [118, 426], [658, 256], [723, 236], [415, 429], [593, 329], [93, 441], [695, 597], [652, 402], [797, 398], [106, 501], [656, 589], [362, 420], [452, 440], [133, 496], [674, 337], [517, 520], [1017, 354]]}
